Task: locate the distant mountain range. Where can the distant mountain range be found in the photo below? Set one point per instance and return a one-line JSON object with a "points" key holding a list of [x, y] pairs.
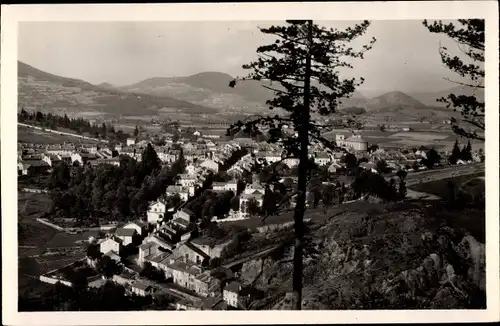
{"points": [[211, 89], [51, 93], [206, 92], [430, 98]]}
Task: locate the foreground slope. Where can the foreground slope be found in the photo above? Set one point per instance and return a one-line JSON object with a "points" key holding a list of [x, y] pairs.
{"points": [[398, 256]]}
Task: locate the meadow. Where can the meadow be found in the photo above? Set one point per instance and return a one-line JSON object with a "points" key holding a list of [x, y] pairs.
{"points": [[34, 136]]}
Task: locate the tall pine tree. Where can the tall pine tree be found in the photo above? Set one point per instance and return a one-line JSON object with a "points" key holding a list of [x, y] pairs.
{"points": [[455, 154], [466, 153], [302, 68]]}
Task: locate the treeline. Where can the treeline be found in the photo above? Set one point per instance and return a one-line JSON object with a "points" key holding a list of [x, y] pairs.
{"points": [[111, 193], [464, 154], [78, 125]]}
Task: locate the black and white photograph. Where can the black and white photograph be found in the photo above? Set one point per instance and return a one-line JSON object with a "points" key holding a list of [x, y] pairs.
{"points": [[253, 165]]}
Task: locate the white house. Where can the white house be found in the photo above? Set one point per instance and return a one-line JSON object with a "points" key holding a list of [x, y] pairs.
{"points": [[191, 169], [231, 186], [230, 293], [126, 235], [291, 162], [130, 141], [156, 212], [137, 226], [184, 214], [76, 157], [322, 158], [219, 186], [210, 165], [334, 167], [108, 245], [51, 159], [250, 189], [187, 180], [272, 157], [142, 289], [182, 218]]}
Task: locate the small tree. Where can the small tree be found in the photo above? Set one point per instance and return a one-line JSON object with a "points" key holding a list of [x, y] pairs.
{"points": [[108, 267], [432, 158], [253, 207], [136, 131], [93, 251], [402, 189], [401, 174], [235, 203], [381, 166], [328, 195], [466, 153]]}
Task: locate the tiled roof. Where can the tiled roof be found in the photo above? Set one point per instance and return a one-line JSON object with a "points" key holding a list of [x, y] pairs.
{"points": [[121, 232], [234, 287], [140, 285]]}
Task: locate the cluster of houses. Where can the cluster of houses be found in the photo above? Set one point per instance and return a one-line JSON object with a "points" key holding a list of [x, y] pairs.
{"points": [[185, 260], [169, 244]]}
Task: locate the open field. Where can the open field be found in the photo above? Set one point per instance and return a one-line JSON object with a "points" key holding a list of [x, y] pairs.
{"points": [[439, 139], [426, 136], [35, 238], [30, 135]]}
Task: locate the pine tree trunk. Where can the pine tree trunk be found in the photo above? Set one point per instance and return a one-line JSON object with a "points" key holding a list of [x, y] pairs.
{"points": [[303, 134]]}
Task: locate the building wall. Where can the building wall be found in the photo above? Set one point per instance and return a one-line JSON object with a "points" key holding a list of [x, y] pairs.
{"points": [[134, 227], [126, 240], [154, 217], [191, 255], [138, 291], [230, 298], [110, 245], [215, 251]]}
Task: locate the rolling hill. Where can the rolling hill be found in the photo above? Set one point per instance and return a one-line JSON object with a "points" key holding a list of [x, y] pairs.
{"points": [[212, 89], [208, 88], [394, 100], [47, 92]]}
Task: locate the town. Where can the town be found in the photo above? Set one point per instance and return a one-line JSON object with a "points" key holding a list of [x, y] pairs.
{"points": [[210, 204], [336, 170]]}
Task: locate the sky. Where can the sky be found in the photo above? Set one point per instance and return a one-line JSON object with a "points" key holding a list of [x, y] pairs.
{"points": [[405, 56]]}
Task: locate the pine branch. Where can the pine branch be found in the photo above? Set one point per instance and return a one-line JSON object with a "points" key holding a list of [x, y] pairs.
{"points": [[463, 84]]}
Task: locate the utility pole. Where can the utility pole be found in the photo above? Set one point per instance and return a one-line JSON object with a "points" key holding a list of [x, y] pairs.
{"points": [[303, 134]]}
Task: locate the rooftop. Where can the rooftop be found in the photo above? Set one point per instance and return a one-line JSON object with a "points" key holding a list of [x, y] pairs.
{"points": [[234, 287], [121, 232]]}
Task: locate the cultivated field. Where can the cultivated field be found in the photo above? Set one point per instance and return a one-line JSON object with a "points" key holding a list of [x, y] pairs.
{"points": [[34, 239], [30, 135]]}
